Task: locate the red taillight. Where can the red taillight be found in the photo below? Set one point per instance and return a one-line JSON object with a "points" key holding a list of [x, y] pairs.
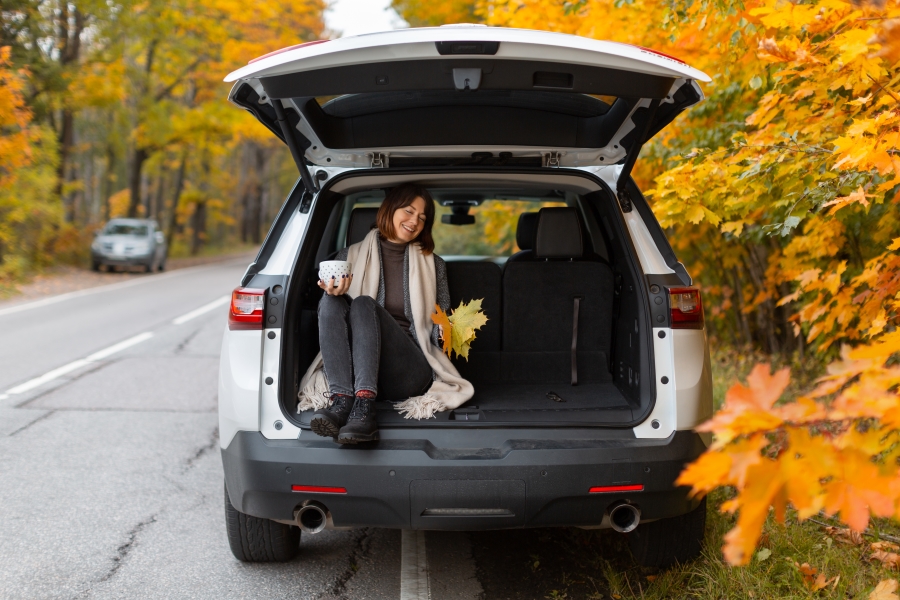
{"points": [[318, 489], [686, 308], [289, 48], [246, 311], [663, 54], [606, 489]]}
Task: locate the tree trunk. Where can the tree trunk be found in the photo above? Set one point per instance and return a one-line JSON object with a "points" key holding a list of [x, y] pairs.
{"points": [[198, 224], [108, 179], [66, 141], [176, 198], [69, 43], [746, 336], [157, 204], [258, 196], [134, 180]]}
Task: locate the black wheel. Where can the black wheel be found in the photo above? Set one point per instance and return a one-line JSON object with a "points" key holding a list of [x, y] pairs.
{"points": [[668, 541], [95, 265], [253, 539]]}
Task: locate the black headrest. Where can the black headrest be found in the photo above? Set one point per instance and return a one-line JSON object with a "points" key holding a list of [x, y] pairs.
{"points": [[362, 220], [525, 230], [558, 234]]}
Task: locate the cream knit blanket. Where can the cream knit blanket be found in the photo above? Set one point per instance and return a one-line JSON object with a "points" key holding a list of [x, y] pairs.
{"points": [[448, 390]]}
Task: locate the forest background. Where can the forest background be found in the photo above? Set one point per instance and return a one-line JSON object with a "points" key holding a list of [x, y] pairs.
{"points": [[778, 193]]}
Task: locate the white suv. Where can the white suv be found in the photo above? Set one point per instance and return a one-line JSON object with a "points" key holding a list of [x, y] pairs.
{"points": [[594, 366]]}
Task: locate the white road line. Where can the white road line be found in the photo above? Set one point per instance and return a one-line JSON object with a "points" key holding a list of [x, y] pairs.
{"points": [[101, 354], [77, 364], [413, 567], [203, 309]]}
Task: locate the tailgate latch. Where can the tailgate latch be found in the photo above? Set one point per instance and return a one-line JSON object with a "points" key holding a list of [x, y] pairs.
{"points": [[551, 159], [379, 161]]}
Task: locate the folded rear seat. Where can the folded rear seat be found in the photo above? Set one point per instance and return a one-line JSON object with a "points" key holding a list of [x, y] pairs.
{"points": [[540, 323]]}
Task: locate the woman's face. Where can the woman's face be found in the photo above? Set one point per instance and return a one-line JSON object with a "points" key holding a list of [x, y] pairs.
{"points": [[409, 221]]}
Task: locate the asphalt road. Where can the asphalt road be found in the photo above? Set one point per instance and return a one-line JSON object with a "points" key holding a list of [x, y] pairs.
{"points": [[111, 478]]}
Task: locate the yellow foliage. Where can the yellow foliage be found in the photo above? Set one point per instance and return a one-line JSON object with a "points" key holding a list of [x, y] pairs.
{"points": [[782, 189]]}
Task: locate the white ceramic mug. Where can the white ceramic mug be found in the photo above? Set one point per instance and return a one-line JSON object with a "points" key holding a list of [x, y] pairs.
{"points": [[333, 268]]}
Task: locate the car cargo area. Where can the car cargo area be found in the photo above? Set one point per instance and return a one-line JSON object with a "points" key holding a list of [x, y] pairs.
{"points": [[568, 339]]}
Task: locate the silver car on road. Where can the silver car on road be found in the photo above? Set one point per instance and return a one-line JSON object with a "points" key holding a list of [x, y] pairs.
{"points": [[130, 242]]}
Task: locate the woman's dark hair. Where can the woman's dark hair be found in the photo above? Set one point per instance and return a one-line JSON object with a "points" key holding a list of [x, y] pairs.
{"points": [[401, 197]]}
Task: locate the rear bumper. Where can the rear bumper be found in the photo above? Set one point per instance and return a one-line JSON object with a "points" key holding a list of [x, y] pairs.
{"points": [[536, 483]]}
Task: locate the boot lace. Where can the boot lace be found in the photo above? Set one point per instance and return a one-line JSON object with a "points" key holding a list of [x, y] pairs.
{"points": [[361, 408], [339, 402]]}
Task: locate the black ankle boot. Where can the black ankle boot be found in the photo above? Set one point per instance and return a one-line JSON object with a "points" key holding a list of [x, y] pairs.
{"points": [[327, 422], [361, 426]]}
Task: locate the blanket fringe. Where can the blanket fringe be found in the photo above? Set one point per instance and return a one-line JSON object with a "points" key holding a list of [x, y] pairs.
{"points": [[420, 407], [313, 396]]}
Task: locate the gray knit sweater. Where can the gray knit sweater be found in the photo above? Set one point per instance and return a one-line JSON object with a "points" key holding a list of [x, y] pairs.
{"points": [[443, 290]]}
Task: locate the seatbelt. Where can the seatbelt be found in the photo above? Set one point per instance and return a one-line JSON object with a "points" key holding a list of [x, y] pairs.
{"points": [[575, 341]]}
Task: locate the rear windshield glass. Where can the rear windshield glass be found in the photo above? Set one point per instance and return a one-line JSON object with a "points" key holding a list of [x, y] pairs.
{"points": [[492, 235], [494, 231], [126, 229]]}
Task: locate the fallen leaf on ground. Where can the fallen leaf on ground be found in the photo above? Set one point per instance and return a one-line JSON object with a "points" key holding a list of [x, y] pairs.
{"points": [[814, 580], [845, 535], [891, 560], [885, 590], [883, 546]]}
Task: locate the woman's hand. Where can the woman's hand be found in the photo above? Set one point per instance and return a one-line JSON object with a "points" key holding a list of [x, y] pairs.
{"points": [[343, 285]]}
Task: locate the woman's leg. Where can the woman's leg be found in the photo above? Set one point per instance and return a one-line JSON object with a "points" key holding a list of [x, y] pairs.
{"points": [[334, 339], [386, 360]]}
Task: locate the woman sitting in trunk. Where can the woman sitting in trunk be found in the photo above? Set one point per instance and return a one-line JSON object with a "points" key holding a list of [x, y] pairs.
{"points": [[375, 328]]}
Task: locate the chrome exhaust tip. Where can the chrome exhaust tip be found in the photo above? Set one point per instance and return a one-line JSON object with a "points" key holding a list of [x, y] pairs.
{"points": [[624, 517], [312, 517]]}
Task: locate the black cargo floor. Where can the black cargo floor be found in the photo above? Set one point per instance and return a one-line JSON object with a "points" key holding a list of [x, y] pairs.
{"points": [[539, 396], [523, 404]]}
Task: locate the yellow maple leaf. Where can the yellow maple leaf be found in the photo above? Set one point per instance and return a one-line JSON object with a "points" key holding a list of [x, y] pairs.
{"points": [[460, 326]]}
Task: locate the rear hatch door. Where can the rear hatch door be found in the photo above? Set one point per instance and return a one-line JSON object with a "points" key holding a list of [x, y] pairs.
{"points": [[468, 94]]}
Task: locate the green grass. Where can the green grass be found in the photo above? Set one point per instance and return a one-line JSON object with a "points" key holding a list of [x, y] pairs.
{"points": [[773, 573]]}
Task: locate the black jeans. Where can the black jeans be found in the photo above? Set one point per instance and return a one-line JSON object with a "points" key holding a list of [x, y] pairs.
{"points": [[364, 348]]}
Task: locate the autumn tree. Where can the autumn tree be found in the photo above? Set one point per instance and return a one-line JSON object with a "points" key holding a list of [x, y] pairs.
{"points": [[423, 13], [28, 159], [134, 93], [780, 190]]}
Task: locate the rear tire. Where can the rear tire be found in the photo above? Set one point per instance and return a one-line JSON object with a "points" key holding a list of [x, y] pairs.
{"points": [[95, 266], [666, 542], [253, 539]]}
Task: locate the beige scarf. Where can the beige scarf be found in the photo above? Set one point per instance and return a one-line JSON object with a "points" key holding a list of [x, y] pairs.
{"points": [[448, 390]]}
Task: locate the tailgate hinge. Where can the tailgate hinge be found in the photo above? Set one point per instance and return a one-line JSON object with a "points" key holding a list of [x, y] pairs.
{"points": [[625, 201], [379, 161], [551, 159]]}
